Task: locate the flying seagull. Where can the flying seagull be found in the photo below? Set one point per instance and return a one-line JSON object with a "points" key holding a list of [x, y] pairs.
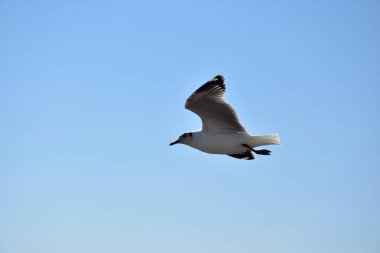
{"points": [[221, 131]]}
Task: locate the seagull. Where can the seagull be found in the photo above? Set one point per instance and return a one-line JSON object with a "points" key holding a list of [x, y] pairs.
{"points": [[221, 131]]}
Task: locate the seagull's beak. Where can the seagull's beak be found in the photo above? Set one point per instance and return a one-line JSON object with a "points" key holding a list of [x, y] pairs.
{"points": [[174, 142]]}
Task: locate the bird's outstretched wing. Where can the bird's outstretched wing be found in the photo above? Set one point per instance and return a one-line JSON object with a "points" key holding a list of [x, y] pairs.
{"points": [[208, 103]]}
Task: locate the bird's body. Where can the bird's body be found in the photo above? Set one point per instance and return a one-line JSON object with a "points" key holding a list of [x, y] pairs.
{"points": [[221, 131], [228, 142]]}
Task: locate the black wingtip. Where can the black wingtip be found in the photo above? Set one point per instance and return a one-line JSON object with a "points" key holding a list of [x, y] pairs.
{"points": [[215, 83], [219, 77]]}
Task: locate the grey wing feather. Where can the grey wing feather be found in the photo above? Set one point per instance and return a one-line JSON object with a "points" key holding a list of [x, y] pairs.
{"points": [[208, 103]]}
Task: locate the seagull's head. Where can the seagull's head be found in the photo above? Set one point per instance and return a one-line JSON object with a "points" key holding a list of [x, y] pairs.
{"points": [[184, 139]]}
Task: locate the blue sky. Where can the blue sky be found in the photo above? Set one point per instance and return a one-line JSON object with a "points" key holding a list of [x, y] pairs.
{"points": [[92, 92]]}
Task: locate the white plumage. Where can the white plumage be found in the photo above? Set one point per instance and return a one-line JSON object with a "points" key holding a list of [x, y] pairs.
{"points": [[221, 131]]}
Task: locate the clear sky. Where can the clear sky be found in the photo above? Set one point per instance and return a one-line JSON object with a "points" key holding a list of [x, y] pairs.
{"points": [[92, 92]]}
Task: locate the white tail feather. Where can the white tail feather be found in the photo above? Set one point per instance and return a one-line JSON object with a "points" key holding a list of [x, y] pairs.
{"points": [[262, 140]]}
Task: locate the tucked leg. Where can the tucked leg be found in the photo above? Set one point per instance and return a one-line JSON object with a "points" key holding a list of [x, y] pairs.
{"points": [[247, 155], [262, 152], [259, 152]]}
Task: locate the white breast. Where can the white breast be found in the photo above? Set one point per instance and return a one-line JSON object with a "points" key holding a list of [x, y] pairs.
{"points": [[220, 143]]}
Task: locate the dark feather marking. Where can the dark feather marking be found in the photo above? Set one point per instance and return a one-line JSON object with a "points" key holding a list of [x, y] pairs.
{"points": [[202, 103], [216, 83]]}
